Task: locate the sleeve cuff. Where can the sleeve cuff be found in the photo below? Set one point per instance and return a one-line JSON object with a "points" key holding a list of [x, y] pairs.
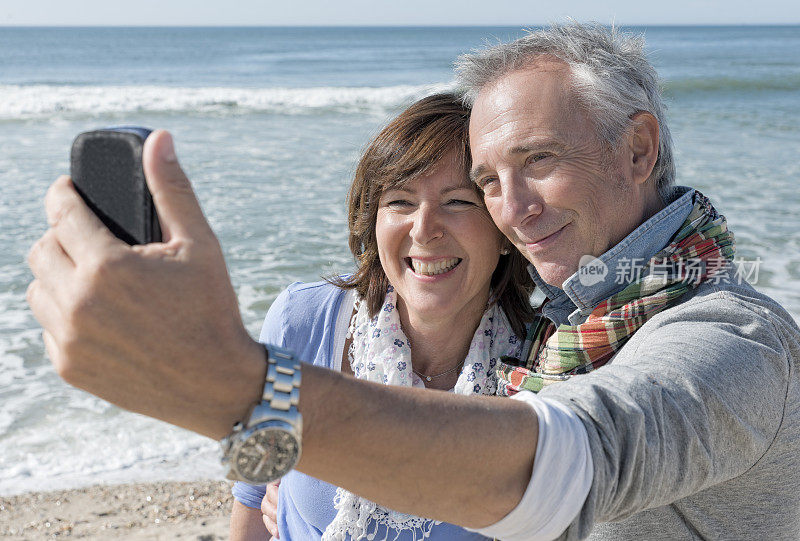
{"points": [[562, 476], [249, 495]]}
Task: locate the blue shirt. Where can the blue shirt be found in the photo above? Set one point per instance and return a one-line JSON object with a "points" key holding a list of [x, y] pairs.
{"points": [[574, 301], [303, 319]]}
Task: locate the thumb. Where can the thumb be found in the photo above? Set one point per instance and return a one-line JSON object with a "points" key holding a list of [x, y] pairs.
{"points": [[179, 212]]}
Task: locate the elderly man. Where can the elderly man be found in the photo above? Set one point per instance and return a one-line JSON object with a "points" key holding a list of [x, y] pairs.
{"points": [[660, 403]]}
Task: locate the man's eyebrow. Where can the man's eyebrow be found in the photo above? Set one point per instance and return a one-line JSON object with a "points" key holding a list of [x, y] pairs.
{"points": [[533, 146], [476, 172]]}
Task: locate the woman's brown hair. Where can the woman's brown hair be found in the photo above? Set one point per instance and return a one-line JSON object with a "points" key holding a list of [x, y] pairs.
{"points": [[410, 146]]}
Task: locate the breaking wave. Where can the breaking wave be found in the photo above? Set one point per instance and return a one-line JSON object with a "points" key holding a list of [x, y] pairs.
{"points": [[32, 101]]}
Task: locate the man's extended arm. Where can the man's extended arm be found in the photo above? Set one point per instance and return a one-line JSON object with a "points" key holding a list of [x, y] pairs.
{"points": [[439, 455], [156, 329]]}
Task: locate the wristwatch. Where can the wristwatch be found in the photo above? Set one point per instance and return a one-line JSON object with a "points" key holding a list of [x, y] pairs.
{"points": [[267, 445]]}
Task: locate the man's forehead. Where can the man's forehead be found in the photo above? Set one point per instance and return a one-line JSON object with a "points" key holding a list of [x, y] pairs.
{"points": [[533, 86], [524, 107]]}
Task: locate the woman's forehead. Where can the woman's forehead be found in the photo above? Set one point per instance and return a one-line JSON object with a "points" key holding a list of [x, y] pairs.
{"points": [[448, 176], [453, 165]]}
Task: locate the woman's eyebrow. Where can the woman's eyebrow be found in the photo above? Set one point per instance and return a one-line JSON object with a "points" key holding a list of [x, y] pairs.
{"points": [[400, 189], [466, 185]]}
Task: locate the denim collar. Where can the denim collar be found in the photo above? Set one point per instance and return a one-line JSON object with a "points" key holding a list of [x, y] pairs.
{"points": [[574, 301]]}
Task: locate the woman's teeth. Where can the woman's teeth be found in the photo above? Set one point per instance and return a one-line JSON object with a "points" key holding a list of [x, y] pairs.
{"points": [[436, 267]]}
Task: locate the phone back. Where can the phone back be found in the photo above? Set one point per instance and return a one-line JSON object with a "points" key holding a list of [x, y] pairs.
{"points": [[106, 168]]}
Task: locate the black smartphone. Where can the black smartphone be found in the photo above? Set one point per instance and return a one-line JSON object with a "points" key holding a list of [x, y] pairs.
{"points": [[106, 169]]}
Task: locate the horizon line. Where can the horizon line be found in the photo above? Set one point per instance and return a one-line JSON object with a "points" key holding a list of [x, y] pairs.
{"points": [[528, 25]]}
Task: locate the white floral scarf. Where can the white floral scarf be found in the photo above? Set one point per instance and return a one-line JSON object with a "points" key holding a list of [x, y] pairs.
{"points": [[380, 353]]}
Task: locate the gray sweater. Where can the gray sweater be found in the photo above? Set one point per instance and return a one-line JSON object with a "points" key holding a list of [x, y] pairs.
{"points": [[694, 425]]}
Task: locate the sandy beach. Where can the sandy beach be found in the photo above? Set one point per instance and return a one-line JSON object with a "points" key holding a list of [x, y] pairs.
{"points": [[169, 510]]}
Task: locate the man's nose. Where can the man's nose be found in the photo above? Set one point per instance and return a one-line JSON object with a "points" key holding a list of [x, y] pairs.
{"points": [[520, 202], [427, 225]]}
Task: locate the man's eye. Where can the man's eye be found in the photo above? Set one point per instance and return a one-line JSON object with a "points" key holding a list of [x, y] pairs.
{"points": [[488, 185], [535, 158], [484, 182]]}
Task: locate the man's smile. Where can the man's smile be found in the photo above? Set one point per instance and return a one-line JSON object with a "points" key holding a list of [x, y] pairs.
{"points": [[545, 242]]}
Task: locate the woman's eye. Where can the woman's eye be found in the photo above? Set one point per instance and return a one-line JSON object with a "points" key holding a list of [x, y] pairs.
{"points": [[398, 203], [460, 202]]}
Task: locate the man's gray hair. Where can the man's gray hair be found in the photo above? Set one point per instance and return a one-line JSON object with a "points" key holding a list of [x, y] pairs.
{"points": [[611, 77]]}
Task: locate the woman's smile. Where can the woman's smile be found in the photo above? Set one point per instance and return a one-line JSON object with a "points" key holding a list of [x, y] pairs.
{"points": [[437, 243], [430, 267]]}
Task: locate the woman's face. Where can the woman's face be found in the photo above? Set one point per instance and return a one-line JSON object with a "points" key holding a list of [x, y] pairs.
{"points": [[437, 245]]}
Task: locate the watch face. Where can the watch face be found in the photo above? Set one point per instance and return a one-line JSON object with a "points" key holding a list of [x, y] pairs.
{"points": [[267, 454]]}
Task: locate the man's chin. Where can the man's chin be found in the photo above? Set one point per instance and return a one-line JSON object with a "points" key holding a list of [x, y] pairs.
{"points": [[553, 273]]}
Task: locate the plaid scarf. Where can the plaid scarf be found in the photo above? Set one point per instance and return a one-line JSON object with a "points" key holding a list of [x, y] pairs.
{"points": [[701, 247]]}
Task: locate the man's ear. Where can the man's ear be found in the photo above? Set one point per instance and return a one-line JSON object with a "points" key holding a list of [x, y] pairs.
{"points": [[643, 141]]}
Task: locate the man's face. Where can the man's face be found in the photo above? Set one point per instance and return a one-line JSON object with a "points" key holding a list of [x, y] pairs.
{"points": [[551, 185]]}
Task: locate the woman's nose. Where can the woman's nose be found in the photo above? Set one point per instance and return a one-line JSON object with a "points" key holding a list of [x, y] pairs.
{"points": [[427, 225]]}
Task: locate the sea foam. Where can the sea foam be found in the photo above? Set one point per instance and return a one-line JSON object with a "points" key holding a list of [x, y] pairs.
{"points": [[31, 101]]}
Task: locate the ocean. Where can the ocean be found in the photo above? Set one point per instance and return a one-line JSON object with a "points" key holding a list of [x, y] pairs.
{"points": [[269, 123]]}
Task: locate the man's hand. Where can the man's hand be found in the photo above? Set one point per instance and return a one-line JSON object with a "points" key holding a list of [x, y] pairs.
{"points": [[154, 328], [269, 508]]}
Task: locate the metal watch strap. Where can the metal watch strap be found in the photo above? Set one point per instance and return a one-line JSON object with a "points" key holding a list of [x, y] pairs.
{"points": [[266, 444], [281, 387]]}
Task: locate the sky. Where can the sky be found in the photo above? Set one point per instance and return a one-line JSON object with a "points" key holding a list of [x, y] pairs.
{"points": [[390, 12]]}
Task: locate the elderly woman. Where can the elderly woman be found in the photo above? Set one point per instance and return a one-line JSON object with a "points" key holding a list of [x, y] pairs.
{"points": [[437, 297]]}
